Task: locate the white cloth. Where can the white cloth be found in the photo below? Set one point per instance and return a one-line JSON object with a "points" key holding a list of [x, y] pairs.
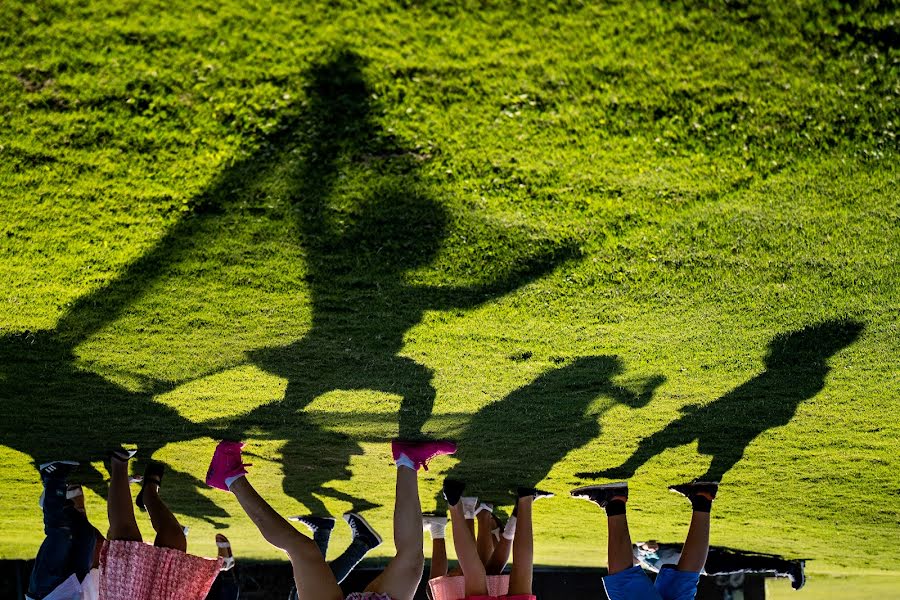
{"points": [[90, 587], [72, 589]]}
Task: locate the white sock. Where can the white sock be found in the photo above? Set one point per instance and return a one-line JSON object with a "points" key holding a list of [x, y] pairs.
{"points": [[438, 531], [229, 481], [509, 532], [405, 461]]}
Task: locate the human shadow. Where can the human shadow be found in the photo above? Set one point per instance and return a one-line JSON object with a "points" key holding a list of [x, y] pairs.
{"points": [[358, 257], [796, 367], [51, 409], [358, 244], [516, 441]]}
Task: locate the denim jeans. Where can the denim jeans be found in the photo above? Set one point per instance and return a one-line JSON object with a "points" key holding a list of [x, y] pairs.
{"points": [[69, 544]]}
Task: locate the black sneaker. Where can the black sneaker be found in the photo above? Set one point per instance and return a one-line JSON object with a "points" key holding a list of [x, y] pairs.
{"points": [[601, 494], [453, 491], [362, 531], [797, 574], [315, 523], [690, 490], [57, 469]]}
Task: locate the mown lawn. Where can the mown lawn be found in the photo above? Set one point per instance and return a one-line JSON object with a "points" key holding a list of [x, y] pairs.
{"points": [[586, 240]]}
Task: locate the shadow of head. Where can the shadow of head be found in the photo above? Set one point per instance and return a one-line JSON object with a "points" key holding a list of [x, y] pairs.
{"points": [[811, 346], [338, 94], [363, 207]]}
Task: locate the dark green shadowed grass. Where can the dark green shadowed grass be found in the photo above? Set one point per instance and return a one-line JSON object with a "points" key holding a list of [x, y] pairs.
{"points": [[578, 238]]}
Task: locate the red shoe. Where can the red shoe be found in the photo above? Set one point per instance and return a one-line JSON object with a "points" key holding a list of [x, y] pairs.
{"points": [[226, 462], [421, 452]]}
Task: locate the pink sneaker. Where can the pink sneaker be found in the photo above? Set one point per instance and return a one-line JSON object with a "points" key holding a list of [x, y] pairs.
{"points": [[421, 452], [226, 462]]}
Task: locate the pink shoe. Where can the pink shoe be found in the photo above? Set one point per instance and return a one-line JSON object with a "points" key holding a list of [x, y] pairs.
{"points": [[421, 452], [226, 462]]}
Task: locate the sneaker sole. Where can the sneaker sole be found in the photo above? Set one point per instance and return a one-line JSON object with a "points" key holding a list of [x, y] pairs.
{"points": [[366, 523], [578, 491], [73, 463]]}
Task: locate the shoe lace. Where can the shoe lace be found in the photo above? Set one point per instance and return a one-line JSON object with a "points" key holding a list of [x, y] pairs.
{"points": [[354, 526]]}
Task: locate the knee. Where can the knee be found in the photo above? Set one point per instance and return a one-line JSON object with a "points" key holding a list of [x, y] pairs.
{"points": [[411, 560]]}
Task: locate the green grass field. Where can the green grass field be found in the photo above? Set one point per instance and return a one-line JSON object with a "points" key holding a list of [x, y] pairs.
{"points": [[587, 240]]}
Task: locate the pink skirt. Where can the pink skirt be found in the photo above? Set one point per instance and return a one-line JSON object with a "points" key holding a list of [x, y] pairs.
{"points": [[454, 587], [139, 571]]}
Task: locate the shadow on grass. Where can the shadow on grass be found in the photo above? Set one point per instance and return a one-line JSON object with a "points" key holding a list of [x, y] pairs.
{"points": [[517, 440], [796, 367], [358, 248]]}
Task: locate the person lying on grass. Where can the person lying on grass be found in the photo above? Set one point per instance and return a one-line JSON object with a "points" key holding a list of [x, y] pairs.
{"points": [[133, 570], [312, 576], [476, 582], [626, 581]]}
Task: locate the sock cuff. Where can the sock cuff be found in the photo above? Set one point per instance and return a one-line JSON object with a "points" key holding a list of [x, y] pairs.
{"points": [[509, 531], [615, 508], [405, 461], [438, 531], [230, 480], [701, 504]]}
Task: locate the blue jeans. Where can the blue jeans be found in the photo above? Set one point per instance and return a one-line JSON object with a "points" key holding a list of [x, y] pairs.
{"points": [[69, 544]]}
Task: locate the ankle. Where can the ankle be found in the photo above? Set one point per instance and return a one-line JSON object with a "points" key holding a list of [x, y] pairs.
{"points": [[701, 502], [616, 506]]}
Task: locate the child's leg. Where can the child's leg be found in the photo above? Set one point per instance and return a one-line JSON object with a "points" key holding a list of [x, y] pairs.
{"points": [[438, 558], [312, 575], [485, 539], [523, 550], [696, 546], [619, 544], [500, 556], [467, 553], [120, 510], [169, 533], [400, 579]]}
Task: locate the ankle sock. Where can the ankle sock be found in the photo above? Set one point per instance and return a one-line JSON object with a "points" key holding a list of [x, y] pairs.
{"points": [[701, 503], [230, 480], [405, 461], [438, 531], [509, 532], [615, 508]]}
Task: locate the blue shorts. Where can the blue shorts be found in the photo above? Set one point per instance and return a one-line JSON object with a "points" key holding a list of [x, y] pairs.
{"points": [[633, 584]]}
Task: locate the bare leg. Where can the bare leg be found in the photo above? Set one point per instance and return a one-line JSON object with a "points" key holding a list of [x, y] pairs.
{"points": [[523, 550], [467, 553], [470, 523], [119, 509], [438, 558], [169, 533], [400, 579], [485, 539], [312, 576], [619, 544], [696, 546], [500, 557]]}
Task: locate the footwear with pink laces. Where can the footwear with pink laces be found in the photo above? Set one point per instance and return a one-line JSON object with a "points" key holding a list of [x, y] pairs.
{"points": [[226, 463], [421, 452]]}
